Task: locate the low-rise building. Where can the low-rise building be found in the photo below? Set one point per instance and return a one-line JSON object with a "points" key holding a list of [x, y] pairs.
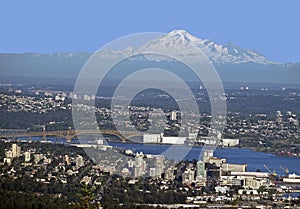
{"points": [[230, 142], [227, 167], [173, 140], [152, 138]]}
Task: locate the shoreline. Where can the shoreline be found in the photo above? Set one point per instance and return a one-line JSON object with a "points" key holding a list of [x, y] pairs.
{"points": [[256, 149]]}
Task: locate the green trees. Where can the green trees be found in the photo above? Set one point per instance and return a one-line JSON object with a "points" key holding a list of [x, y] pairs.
{"points": [[86, 199], [22, 200], [142, 192]]}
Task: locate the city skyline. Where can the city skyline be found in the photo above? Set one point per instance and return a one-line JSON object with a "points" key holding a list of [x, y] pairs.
{"points": [[149, 104]]}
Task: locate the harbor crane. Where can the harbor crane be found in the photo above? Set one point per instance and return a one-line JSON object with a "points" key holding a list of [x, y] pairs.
{"points": [[270, 172], [286, 170]]}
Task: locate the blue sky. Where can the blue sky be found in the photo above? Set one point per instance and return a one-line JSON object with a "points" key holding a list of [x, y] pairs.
{"points": [[269, 27]]}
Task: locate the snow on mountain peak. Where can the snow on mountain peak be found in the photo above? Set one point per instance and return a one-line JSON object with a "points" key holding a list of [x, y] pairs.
{"points": [[217, 53], [187, 44], [174, 39], [181, 35]]}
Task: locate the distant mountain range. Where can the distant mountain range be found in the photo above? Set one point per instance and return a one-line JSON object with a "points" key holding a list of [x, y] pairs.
{"points": [[233, 63]]}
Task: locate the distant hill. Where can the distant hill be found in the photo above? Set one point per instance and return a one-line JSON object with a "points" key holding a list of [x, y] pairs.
{"points": [[234, 64]]}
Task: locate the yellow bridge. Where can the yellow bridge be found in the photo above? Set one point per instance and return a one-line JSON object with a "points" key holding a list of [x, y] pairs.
{"points": [[70, 134]]}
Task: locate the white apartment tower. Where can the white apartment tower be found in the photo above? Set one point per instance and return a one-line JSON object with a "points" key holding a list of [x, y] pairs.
{"points": [[16, 150], [27, 155]]}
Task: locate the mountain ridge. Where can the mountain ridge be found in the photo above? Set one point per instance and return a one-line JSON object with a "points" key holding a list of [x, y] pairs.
{"points": [[217, 53], [233, 63]]}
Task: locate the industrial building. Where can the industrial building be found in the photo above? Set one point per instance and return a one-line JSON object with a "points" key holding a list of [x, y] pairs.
{"points": [[222, 142], [152, 138], [227, 167], [292, 179], [173, 140], [230, 142]]}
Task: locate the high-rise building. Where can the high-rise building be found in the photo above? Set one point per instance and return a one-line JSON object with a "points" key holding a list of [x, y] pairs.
{"points": [[206, 155], [16, 150], [139, 165], [27, 155], [169, 174], [278, 118], [159, 166], [201, 172], [38, 158], [8, 160], [153, 172], [8, 154], [188, 176], [67, 159], [79, 161], [213, 170], [130, 163], [173, 115]]}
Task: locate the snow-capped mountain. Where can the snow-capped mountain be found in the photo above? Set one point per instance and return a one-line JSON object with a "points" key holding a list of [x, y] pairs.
{"points": [[231, 62], [185, 42], [216, 53]]}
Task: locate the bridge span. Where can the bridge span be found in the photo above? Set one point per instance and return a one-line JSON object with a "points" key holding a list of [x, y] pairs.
{"points": [[70, 134]]}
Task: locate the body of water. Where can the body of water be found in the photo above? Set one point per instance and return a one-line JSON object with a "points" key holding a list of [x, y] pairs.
{"points": [[254, 160]]}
